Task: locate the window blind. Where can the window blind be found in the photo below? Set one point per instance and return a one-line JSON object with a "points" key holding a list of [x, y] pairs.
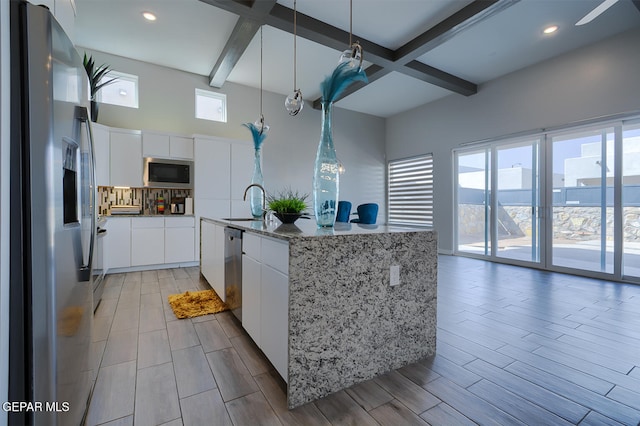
{"points": [[410, 191]]}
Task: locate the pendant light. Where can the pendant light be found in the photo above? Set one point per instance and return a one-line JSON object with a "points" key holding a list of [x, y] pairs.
{"points": [[294, 101], [354, 54], [260, 124]]}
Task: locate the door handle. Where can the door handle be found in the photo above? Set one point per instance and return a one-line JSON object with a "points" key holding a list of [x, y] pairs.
{"points": [[82, 115]]}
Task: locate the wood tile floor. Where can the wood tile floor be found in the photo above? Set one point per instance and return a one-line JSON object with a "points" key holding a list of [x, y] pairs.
{"points": [[515, 346]]}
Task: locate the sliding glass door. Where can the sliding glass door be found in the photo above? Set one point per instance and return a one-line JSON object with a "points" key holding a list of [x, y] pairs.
{"points": [[582, 213], [517, 201], [565, 200], [473, 205], [631, 201]]}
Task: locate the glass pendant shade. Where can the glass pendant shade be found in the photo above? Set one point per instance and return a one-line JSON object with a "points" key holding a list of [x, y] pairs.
{"points": [[294, 102], [261, 125], [353, 56]]}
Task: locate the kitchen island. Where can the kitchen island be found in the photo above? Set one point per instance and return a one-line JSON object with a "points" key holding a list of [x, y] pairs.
{"points": [[336, 306]]}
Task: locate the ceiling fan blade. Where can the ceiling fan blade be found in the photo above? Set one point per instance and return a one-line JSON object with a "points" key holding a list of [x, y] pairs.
{"points": [[606, 4]]}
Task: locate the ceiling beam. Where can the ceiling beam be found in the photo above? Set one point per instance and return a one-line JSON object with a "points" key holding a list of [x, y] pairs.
{"points": [[238, 41], [465, 18], [245, 29], [385, 61], [312, 29], [404, 58], [254, 9]]}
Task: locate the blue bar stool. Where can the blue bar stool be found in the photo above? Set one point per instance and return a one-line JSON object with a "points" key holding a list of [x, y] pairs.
{"points": [[367, 214], [344, 210]]}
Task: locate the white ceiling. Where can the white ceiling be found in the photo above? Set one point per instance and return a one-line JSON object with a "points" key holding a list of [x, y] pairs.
{"points": [[190, 35]]}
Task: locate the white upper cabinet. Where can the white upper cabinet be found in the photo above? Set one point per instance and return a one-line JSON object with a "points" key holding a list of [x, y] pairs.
{"points": [[212, 169], [101, 151], [126, 158], [155, 145], [181, 147], [242, 158], [164, 145]]}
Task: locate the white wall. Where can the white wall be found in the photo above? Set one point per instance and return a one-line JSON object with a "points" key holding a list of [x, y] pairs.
{"points": [[166, 103], [4, 204], [591, 82]]}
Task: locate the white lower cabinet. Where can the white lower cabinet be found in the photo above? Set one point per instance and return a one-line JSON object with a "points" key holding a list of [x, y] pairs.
{"points": [[147, 241], [207, 250], [212, 256], [265, 297], [274, 316], [119, 242], [251, 283], [179, 239], [142, 241]]}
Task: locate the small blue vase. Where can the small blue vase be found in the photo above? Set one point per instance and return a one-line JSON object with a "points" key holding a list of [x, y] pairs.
{"points": [[326, 178], [256, 195]]}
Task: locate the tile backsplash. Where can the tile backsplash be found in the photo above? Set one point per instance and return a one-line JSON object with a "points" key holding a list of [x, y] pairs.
{"points": [[146, 198]]}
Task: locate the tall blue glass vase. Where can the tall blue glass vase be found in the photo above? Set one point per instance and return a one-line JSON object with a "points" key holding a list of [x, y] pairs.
{"points": [[326, 178], [256, 195]]}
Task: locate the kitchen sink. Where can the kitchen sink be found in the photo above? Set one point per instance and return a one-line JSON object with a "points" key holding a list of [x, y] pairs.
{"points": [[242, 219]]}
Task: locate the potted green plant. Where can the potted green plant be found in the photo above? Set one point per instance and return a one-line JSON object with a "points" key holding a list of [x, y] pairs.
{"points": [[95, 75], [288, 205]]}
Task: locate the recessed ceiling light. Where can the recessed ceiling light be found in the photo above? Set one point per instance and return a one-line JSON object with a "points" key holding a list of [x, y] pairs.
{"points": [[149, 16], [550, 29], [123, 92]]}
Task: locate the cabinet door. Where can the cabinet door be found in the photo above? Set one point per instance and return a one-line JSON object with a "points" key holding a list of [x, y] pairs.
{"points": [[147, 246], [207, 250], [218, 262], [251, 278], [101, 151], [241, 172], [155, 145], [118, 242], [181, 147], [274, 314], [212, 169], [275, 253], [178, 245], [126, 159]]}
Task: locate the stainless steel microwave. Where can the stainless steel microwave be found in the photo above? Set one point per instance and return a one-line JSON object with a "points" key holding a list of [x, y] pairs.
{"points": [[164, 173]]}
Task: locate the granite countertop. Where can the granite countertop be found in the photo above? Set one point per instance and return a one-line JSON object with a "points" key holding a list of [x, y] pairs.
{"points": [[307, 228]]}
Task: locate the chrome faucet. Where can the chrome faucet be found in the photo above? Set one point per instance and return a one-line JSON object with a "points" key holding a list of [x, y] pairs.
{"points": [[264, 197]]}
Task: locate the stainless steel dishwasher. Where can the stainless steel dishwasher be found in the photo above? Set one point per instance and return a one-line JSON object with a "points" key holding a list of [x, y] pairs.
{"points": [[233, 270]]}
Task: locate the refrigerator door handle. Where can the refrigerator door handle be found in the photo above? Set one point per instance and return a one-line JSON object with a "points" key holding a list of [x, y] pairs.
{"points": [[82, 115]]}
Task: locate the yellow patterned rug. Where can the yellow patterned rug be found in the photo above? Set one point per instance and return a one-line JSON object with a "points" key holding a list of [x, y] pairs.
{"points": [[195, 303]]}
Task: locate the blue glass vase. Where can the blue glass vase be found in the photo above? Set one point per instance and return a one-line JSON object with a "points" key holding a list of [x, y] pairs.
{"points": [[326, 178], [255, 194]]}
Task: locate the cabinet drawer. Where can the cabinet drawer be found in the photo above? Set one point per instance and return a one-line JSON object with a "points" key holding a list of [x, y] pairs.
{"points": [[147, 222], [179, 222], [251, 246], [275, 253]]}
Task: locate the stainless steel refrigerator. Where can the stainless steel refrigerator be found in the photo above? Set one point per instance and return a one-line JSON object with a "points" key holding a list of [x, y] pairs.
{"points": [[53, 227]]}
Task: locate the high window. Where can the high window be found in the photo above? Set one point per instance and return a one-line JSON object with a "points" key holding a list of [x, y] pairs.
{"points": [[122, 92], [211, 105], [410, 191]]}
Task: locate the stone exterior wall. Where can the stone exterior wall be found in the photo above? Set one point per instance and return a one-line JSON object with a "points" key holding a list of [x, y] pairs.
{"points": [[569, 223]]}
